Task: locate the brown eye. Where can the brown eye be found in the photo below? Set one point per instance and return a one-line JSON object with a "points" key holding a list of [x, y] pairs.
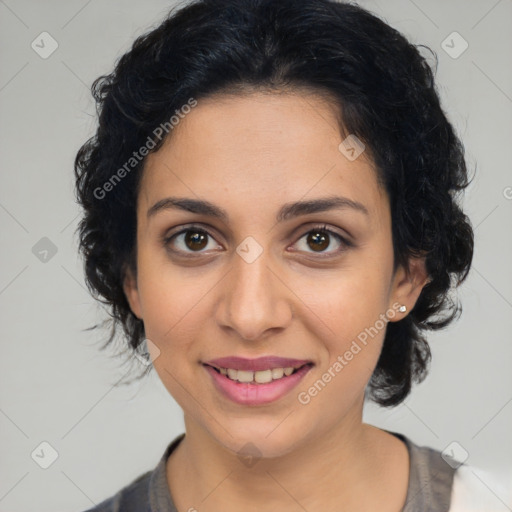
{"points": [[323, 241], [318, 240], [196, 240], [190, 240]]}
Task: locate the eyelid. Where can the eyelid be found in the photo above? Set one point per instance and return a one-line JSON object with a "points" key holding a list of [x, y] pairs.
{"points": [[325, 228], [168, 236]]}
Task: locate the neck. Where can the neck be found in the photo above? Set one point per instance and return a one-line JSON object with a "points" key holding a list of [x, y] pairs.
{"points": [[334, 468]]}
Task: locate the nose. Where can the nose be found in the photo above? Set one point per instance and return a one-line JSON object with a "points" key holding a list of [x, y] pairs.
{"points": [[255, 302]]}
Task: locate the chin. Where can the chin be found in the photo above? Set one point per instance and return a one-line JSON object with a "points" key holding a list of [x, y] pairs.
{"points": [[267, 438]]}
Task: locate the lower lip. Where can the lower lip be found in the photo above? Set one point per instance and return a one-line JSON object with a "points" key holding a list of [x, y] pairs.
{"points": [[246, 393]]}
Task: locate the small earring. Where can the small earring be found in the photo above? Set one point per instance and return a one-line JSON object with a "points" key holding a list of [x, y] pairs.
{"points": [[402, 309]]}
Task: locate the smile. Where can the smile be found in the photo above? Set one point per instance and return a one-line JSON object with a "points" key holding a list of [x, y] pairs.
{"points": [[256, 381]]}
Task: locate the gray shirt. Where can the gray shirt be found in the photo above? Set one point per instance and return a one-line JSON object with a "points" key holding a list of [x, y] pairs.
{"points": [[429, 489]]}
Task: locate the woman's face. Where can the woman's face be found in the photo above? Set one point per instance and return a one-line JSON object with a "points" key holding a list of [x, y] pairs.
{"points": [[254, 179]]}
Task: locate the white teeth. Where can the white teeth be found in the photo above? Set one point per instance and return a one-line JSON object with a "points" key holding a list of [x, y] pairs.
{"points": [[260, 377], [244, 376], [263, 376], [277, 373]]}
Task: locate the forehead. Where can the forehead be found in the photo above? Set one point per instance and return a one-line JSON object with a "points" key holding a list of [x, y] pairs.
{"points": [[258, 125], [261, 146]]}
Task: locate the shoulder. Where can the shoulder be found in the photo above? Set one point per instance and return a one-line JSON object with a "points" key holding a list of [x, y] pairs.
{"points": [[478, 490], [430, 478], [131, 498], [440, 483], [146, 493]]}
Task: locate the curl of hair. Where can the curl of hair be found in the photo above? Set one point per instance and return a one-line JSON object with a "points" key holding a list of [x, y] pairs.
{"points": [[385, 94]]}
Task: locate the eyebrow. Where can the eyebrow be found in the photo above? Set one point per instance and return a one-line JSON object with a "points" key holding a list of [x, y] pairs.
{"points": [[287, 211]]}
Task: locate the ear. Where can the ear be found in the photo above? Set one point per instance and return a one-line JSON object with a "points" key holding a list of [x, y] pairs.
{"points": [[407, 285], [132, 292]]}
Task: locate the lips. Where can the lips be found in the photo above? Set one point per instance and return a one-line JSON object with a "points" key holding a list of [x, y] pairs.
{"points": [[256, 381]]}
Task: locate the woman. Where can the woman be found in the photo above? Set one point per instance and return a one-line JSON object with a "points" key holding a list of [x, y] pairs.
{"points": [[270, 208]]}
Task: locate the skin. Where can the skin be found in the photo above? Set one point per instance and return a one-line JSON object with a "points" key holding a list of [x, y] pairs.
{"points": [[250, 154]]}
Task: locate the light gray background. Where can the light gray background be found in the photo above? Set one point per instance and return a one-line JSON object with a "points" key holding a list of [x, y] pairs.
{"points": [[56, 386]]}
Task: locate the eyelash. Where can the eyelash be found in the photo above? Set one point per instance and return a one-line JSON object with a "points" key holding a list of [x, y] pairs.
{"points": [[321, 228]]}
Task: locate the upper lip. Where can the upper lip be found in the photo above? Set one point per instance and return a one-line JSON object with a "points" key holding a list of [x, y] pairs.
{"points": [[255, 365]]}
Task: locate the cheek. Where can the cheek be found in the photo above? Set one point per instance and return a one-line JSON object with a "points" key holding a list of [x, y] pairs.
{"points": [[173, 304], [348, 359], [175, 311], [344, 305], [346, 315]]}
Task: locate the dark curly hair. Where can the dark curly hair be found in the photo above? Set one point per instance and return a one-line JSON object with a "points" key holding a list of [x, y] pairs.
{"points": [[386, 95]]}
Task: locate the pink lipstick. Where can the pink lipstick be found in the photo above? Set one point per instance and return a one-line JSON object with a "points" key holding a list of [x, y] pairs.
{"points": [[256, 381]]}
